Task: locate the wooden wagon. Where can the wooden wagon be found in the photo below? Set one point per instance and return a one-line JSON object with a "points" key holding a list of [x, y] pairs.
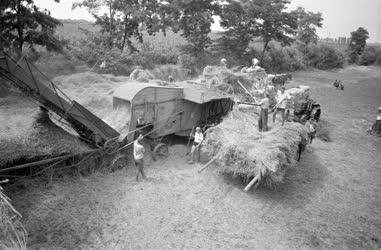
{"points": [[164, 110]]}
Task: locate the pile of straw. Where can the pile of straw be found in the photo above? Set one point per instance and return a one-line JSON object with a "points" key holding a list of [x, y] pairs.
{"points": [[12, 233], [226, 80], [141, 75], [241, 151]]}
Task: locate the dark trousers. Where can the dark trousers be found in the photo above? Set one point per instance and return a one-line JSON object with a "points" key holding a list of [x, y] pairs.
{"points": [[262, 121]]}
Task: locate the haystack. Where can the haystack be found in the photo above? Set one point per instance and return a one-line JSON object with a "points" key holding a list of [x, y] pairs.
{"points": [[241, 151], [216, 76], [141, 75], [12, 233]]}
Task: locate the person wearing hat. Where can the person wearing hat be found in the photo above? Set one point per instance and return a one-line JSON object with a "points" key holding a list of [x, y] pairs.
{"points": [[263, 115], [376, 127], [139, 157], [224, 63], [282, 99], [254, 67], [170, 78], [198, 138]]}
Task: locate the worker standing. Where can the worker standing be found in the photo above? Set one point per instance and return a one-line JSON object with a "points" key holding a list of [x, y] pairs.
{"points": [[198, 138], [224, 63], [282, 100], [376, 127], [139, 157], [310, 130], [263, 115]]}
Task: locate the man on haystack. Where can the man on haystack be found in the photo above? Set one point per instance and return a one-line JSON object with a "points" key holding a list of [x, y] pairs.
{"points": [[264, 114], [282, 98], [224, 63], [198, 138]]}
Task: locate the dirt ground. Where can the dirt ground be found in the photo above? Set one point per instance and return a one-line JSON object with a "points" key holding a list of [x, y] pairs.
{"points": [[332, 200]]}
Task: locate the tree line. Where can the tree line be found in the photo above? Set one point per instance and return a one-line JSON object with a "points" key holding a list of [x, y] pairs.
{"points": [[23, 24]]}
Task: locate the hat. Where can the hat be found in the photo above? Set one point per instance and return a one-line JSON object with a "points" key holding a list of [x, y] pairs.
{"points": [[198, 128], [223, 60], [255, 61]]}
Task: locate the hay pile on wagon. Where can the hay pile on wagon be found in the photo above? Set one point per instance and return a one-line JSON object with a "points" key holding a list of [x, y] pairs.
{"points": [[12, 233], [242, 152], [226, 80]]}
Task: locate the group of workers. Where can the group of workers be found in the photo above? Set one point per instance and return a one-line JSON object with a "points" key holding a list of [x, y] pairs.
{"points": [[338, 84], [282, 99], [139, 151]]}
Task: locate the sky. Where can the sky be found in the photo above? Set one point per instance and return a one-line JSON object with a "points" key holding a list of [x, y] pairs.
{"points": [[340, 16]]}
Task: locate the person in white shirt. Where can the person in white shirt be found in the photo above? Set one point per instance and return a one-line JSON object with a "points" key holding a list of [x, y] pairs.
{"points": [[376, 127], [224, 63], [310, 130], [139, 157], [282, 100], [198, 138], [263, 115], [254, 67]]}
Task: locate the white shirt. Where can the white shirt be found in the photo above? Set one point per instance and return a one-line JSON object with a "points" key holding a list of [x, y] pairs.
{"points": [[138, 151], [198, 137], [379, 118], [310, 127], [265, 103], [282, 99]]}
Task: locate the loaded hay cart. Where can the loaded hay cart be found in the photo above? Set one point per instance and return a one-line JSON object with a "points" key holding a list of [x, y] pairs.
{"points": [[158, 111]]}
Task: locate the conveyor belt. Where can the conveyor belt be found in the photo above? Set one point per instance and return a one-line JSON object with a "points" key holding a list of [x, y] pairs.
{"points": [[26, 77]]}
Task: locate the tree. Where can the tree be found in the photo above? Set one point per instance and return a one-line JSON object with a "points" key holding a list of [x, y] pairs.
{"points": [[135, 14], [307, 23], [105, 20], [23, 23], [125, 19], [274, 22], [357, 43], [194, 19], [267, 19], [240, 29]]}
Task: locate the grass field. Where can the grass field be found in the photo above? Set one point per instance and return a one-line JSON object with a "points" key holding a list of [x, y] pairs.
{"points": [[332, 200]]}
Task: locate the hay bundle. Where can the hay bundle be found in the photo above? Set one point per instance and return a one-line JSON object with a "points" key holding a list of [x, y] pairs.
{"points": [[141, 75], [12, 233], [230, 82], [244, 152]]}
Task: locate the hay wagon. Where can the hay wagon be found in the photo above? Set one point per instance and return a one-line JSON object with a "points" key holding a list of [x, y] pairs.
{"points": [[159, 111]]}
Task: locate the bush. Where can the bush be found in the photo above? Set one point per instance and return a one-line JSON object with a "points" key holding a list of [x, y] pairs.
{"points": [[121, 63], [368, 56], [53, 64], [323, 57], [378, 60], [282, 59], [195, 64], [278, 59]]}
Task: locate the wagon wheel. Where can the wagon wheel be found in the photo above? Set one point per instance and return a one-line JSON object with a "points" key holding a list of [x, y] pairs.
{"points": [[111, 146], [118, 162], [160, 151]]}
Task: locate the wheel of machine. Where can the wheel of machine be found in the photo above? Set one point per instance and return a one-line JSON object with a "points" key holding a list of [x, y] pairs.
{"points": [[160, 151], [118, 162], [111, 146]]}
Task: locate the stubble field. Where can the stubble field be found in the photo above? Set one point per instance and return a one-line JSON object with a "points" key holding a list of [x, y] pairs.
{"points": [[332, 200]]}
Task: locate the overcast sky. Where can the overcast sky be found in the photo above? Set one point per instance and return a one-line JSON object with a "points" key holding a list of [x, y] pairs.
{"points": [[340, 16]]}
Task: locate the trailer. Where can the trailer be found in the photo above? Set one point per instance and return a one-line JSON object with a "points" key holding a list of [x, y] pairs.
{"points": [[159, 111]]}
